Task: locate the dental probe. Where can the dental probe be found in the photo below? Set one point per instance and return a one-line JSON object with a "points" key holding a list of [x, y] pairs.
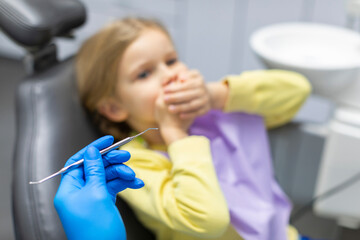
{"points": [[102, 152]]}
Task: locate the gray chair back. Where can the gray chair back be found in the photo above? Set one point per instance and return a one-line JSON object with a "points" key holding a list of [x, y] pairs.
{"points": [[51, 127]]}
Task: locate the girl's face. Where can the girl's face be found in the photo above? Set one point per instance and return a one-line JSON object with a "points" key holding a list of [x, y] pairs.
{"points": [[148, 64]]}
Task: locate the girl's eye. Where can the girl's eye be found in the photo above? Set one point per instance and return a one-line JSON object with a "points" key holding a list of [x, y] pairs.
{"points": [[171, 61], [143, 75]]}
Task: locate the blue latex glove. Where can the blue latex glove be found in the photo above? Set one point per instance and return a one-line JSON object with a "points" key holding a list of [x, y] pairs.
{"points": [[85, 200]]}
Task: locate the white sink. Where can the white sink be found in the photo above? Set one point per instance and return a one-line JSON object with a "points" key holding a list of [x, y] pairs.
{"points": [[328, 56]]}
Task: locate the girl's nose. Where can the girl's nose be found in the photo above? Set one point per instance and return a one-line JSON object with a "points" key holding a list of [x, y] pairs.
{"points": [[169, 75]]}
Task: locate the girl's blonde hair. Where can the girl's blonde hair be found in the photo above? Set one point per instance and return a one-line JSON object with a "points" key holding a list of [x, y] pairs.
{"points": [[97, 66]]}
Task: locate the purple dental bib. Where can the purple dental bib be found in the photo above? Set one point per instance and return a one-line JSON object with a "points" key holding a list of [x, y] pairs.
{"points": [[259, 209]]}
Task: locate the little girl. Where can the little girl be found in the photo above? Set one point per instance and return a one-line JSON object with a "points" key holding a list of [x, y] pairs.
{"points": [[130, 78]]}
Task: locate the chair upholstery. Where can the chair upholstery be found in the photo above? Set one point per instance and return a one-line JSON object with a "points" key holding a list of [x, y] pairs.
{"points": [[51, 126]]}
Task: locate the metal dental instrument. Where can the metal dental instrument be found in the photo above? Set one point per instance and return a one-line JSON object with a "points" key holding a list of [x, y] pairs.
{"points": [[105, 150]]}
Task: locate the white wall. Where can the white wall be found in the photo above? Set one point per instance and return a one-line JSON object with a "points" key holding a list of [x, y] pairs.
{"points": [[211, 35]]}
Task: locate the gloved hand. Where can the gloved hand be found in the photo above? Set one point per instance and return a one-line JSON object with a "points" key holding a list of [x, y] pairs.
{"points": [[85, 200]]}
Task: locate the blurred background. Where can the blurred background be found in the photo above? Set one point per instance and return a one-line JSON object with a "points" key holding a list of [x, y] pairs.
{"points": [[213, 37]]}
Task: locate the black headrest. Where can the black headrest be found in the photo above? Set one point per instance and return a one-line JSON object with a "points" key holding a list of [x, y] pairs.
{"points": [[33, 23]]}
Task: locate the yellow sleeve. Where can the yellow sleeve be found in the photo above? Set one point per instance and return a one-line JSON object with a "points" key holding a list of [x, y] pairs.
{"points": [[183, 193], [292, 233], [276, 95]]}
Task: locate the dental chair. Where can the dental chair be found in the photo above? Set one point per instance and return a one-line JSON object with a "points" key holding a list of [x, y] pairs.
{"points": [[51, 124]]}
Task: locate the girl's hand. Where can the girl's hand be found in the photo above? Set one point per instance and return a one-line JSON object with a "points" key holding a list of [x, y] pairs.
{"points": [[189, 97], [171, 127]]}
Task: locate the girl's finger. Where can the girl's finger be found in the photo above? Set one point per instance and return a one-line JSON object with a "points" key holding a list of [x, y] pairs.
{"points": [[183, 96], [194, 74], [189, 106], [192, 115], [176, 87], [189, 83]]}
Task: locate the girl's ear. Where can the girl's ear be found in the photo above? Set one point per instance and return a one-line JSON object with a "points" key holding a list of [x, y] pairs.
{"points": [[113, 110]]}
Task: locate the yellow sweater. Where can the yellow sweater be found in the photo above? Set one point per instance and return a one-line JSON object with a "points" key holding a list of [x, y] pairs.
{"points": [[182, 198]]}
